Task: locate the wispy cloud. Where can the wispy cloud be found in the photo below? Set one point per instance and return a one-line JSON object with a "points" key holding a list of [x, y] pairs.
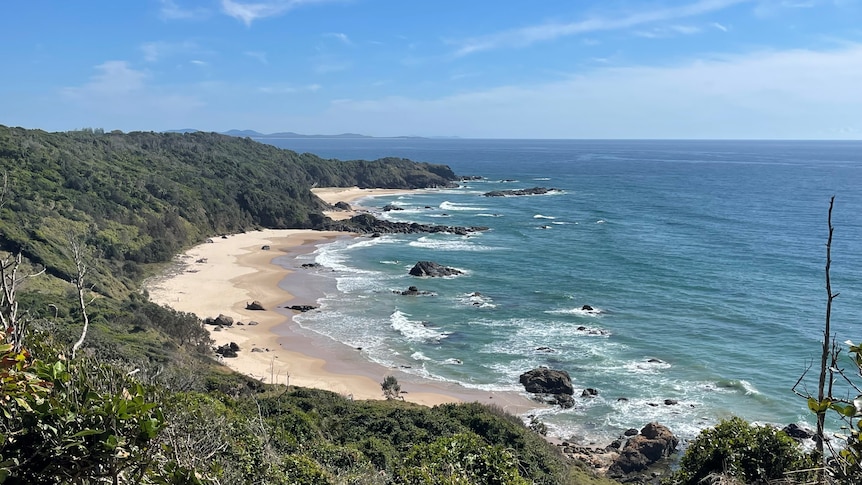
{"points": [[158, 50], [260, 56], [529, 35], [171, 11], [340, 36], [719, 26], [325, 67], [766, 94], [248, 12], [289, 89], [672, 31]]}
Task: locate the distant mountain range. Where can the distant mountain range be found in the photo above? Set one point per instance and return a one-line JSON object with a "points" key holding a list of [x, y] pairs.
{"points": [[286, 134]]}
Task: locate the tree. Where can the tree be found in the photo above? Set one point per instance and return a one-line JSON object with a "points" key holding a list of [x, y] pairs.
{"points": [[391, 387]]}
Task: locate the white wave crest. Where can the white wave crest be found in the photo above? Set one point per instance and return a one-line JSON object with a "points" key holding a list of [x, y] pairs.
{"points": [[489, 215], [419, 356], [413, 330], [451, 206], [580, 311], [478, 300], [540, 216], [462, 244]]}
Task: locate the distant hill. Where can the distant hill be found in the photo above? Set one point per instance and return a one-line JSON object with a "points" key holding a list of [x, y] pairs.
{"points": [[285, 134], [140, 197]]}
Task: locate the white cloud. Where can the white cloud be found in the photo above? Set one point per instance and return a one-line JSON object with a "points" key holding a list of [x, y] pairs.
{"points": [[769, 94], [260, 56], [159, 50], [719, 26], [171, 11], [549, 31], [249, 12], [117, 94], [340, 36], [289, 89]]}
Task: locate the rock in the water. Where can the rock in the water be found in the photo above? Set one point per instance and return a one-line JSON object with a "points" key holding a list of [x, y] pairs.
{"points": [[590, 392], [654, 442], [509, 193], [413, 291], [547, 381], [631, 432], [545, 349], [587, 308], [670, 402], [302, 308], [310, 265], [432, 269], [390, 207], [797, 432], [255, 305]]}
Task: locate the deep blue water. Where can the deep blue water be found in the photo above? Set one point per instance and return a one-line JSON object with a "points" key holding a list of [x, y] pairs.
{"points": [[706, 255]]}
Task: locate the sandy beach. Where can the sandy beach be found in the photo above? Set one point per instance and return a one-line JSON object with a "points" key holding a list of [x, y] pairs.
{"points": [[222, 276]]}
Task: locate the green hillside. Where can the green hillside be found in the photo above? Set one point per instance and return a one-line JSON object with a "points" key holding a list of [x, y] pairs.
{"points": [[142, 401]]}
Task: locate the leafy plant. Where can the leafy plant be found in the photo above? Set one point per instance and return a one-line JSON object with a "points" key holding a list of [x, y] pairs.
{"points": [[391, 387], [735, 448]]}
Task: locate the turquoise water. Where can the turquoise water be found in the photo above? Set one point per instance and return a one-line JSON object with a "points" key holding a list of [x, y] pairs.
{"points": [[707, 256]]}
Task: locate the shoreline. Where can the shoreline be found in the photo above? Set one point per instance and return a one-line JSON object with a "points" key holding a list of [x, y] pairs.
{"points": [[221, 277]]}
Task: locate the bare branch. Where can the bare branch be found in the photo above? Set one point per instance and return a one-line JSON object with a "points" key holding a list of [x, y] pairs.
{"points": [[81, 268]]}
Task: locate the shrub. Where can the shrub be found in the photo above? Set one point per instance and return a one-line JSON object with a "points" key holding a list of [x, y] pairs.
{"points": [[748, 452]]}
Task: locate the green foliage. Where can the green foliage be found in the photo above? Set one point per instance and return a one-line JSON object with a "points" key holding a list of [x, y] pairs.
{"points": [[735, 448], [141, 197], [391, 387], [459, 459], [75, 423]]}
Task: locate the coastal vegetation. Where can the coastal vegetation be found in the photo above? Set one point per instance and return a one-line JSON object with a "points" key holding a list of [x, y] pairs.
{"points": [[100, 385]]}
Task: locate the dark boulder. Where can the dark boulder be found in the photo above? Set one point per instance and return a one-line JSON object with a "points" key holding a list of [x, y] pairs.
{"points": [[255, 305], [302, 308], [310, 265], [228, 350], [432, 269], [547, 381], [223, 320], [368, 224], [390, 207], [590, 392], [344, 206], [413, 291], [265, 247], [654, 442], [518, 192], [797, 432], [587, 308]]}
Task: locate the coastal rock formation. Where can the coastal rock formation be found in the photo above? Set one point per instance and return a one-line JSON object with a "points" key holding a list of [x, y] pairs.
{"points": [[255, 305], [368, 224], [590, 392], [219, 321], [432, 269], [390, 207], [517, 192], [310, 265], [344, 206], [413, 291], [654, 442], [302, 308], [228, 350], [797, 432], [547, 381]]}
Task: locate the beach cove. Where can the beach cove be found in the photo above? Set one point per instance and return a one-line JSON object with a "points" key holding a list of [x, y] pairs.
{"points": [[224, 275]]}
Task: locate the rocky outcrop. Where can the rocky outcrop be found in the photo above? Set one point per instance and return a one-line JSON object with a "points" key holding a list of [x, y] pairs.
{"points": [[344, 206], [219, 321], [255, 305], [518, 192], [432, 269], [368, 224], [413, 291], [390, 207], [547, 381], [302, 308], [310, 265], [228, 350], [797, 432], [654, 442]]}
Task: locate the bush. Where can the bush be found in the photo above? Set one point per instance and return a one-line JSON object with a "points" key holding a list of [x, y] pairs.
{"points": [[735, 448]]}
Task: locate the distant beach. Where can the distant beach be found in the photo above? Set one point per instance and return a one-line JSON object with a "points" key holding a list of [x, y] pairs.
{"points": [[222, 276]]}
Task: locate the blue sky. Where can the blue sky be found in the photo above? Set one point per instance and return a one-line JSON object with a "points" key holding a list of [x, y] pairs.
{"points": [[786, 69]]}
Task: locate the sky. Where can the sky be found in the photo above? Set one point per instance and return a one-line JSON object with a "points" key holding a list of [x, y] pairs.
{"points": [[594, 69]]}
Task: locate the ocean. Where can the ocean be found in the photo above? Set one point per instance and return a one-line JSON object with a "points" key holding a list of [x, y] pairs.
{"points": [[703, 262]]}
